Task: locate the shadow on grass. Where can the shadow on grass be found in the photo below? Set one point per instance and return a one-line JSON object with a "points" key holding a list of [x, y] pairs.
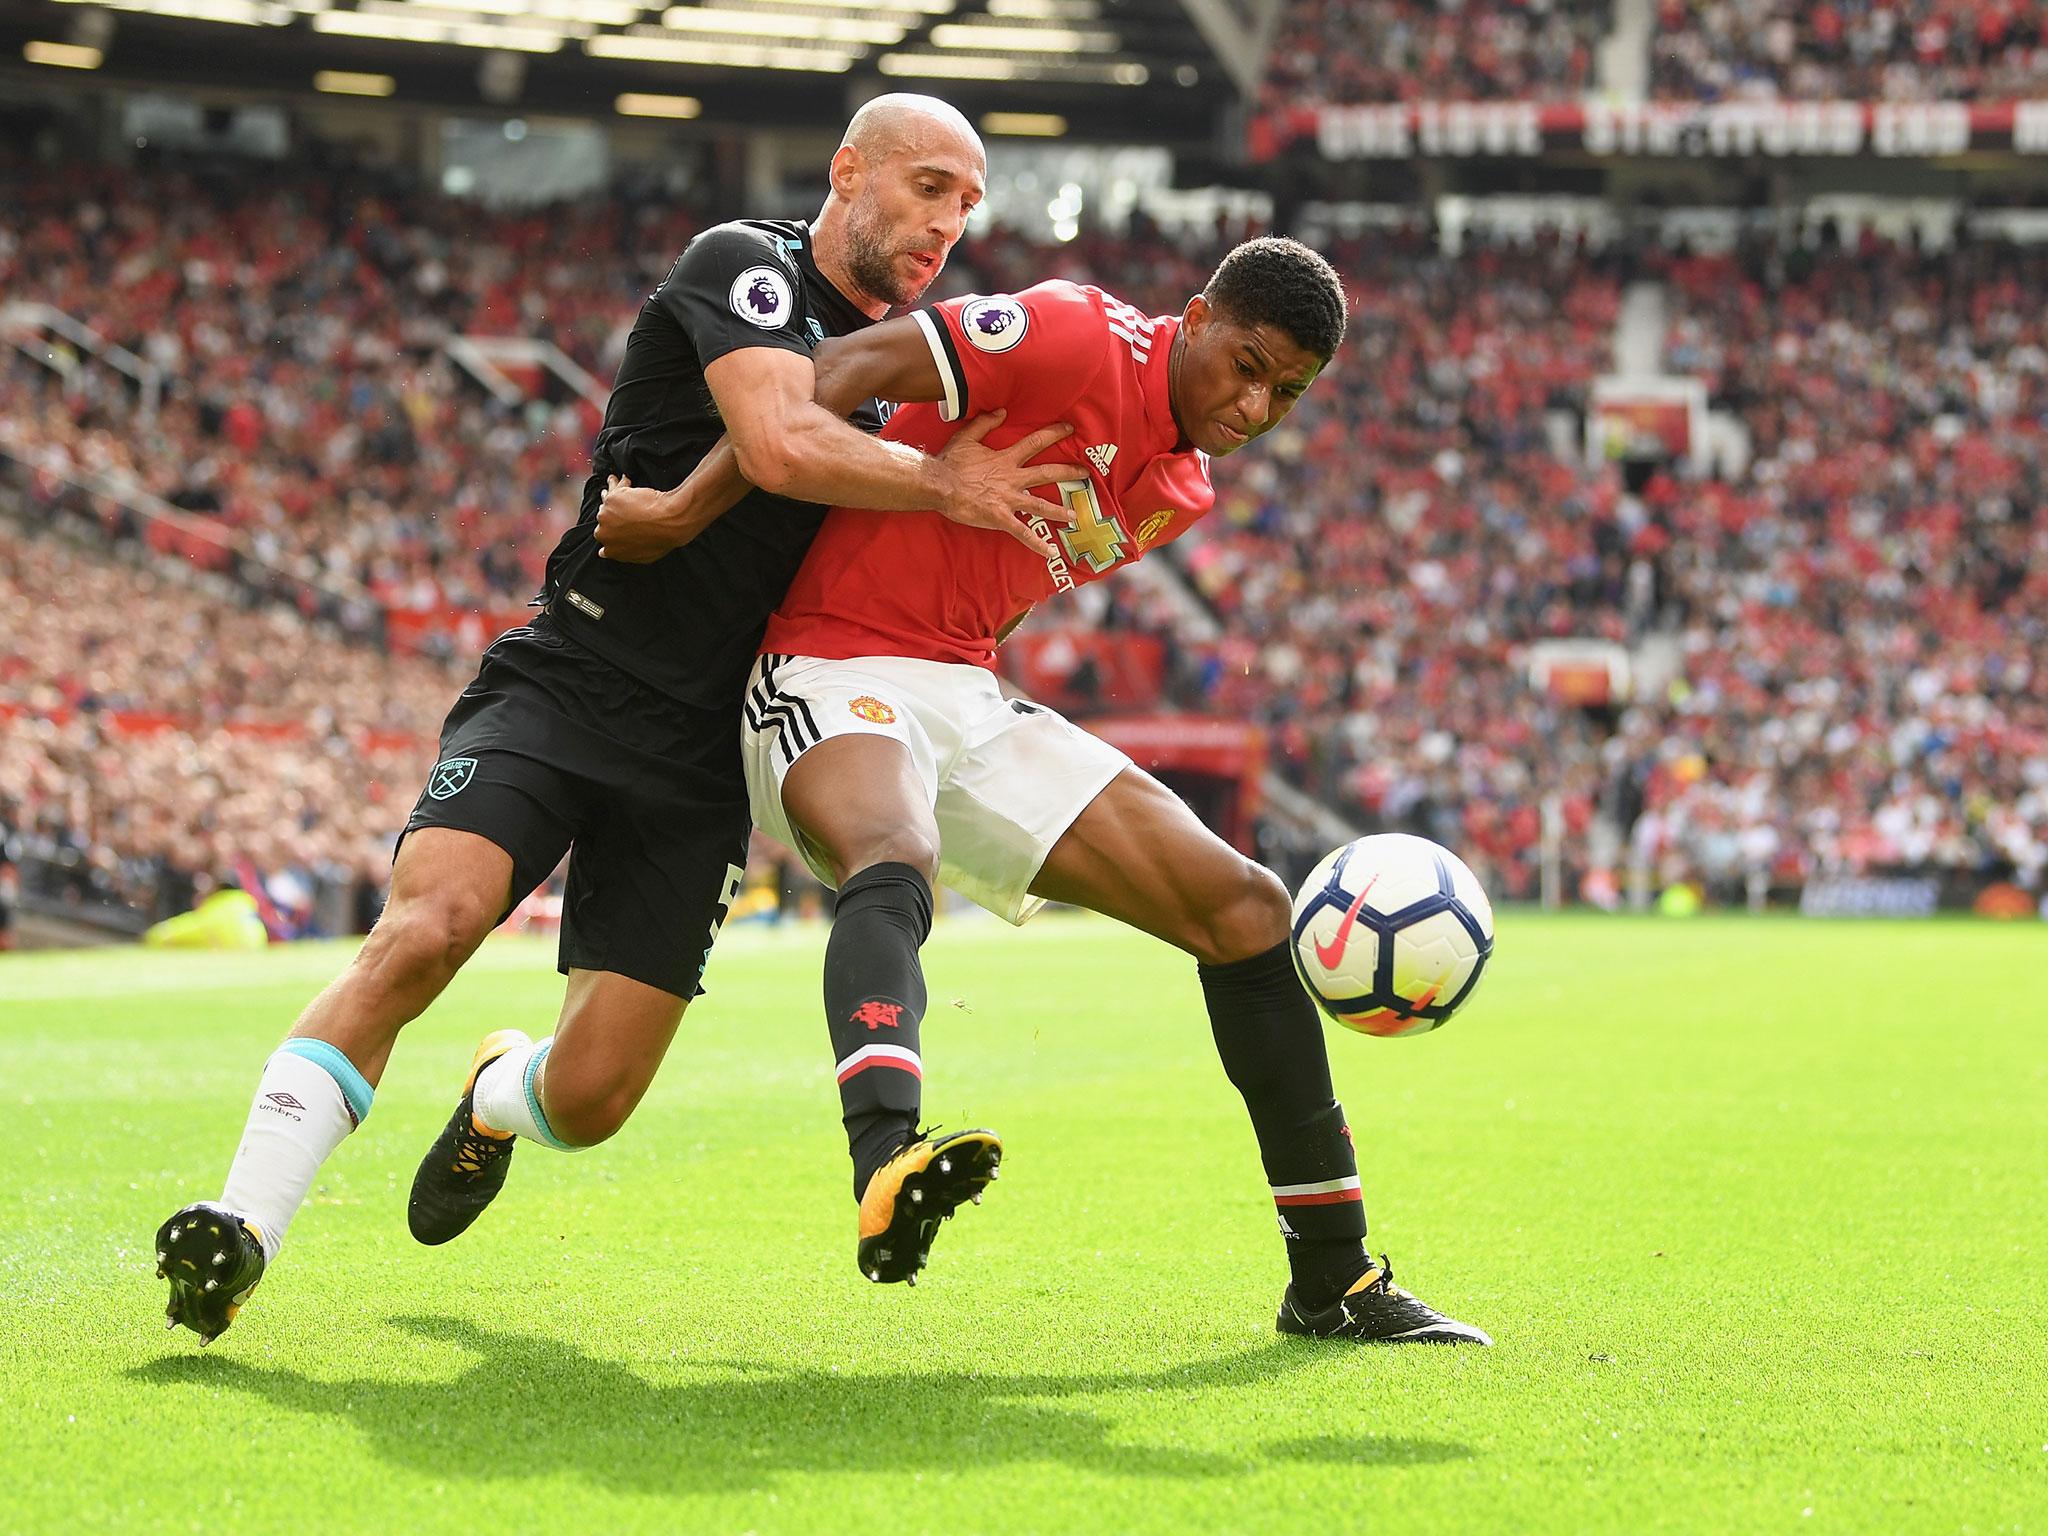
{"points": [[536, 1407]]}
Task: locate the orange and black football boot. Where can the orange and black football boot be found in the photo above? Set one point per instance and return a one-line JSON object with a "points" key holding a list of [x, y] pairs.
{"points": [[914, 1191], [1375, 1311]]}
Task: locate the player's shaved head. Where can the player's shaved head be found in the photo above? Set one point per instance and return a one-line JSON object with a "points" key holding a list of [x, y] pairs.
{"points": [[904, 179], [903, 122]]}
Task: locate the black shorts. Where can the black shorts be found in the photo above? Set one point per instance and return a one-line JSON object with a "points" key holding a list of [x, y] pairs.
{"points": [[553, 750]]}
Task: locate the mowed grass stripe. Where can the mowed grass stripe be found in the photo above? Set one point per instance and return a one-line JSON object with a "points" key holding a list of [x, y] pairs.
{"points": [[1752, 1207]]}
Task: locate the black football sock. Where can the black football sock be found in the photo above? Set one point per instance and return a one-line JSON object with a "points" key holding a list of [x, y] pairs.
{"points": [[874, 999], [1270, 1037]]}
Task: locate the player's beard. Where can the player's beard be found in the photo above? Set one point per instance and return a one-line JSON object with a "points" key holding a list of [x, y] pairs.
{"points": [[871, 258]]}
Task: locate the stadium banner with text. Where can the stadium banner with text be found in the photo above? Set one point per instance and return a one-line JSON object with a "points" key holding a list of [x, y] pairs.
{"points": [[1921, 892], [1495, 129], [1872, 896]]}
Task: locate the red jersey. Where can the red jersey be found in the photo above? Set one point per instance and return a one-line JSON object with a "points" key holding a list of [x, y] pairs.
{"points": [[914, 584]]}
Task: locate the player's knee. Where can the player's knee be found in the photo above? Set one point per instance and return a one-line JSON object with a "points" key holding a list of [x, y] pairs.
{"points": [[1247, 914], [429, 936], [905, 844]]}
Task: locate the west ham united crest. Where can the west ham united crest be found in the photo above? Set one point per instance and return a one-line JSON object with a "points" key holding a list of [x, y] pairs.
{"points": [[450, 777]]}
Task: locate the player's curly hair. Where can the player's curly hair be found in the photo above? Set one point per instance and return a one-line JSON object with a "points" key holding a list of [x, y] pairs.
{"points": [[1280, 282]]}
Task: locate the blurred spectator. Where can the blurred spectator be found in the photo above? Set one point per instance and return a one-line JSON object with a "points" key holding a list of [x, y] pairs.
{"points": [[299, 319], [156, 735], [1859, 614], [1349, 52], [1863, 611], [10, 896], [1848, 50]]}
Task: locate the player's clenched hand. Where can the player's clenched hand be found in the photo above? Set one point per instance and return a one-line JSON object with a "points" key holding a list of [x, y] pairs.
{"points": [[993, 485], [637, 525]]}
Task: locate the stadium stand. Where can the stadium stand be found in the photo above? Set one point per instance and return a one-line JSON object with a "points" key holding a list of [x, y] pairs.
{"points": [[162, 737], [1862, 607], [315, 411], [1376, 52], [1367, 589], [1915, 50], [1347, 51]]}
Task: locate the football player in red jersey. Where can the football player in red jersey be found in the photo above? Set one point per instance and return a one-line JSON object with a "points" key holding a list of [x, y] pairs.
{"points": [[879, 745]]}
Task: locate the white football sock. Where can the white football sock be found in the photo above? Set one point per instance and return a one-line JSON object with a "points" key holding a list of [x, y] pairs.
{"points": [[310, 1097], [506, 1099]]}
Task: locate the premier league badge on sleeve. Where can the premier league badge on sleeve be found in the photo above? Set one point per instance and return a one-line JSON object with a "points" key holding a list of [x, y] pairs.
{"points": [[760, 296], [994, 325]]}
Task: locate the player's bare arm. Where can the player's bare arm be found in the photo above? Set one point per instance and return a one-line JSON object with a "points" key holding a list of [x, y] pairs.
{"points": [[977, 485], [637, 525], [789, 444]]}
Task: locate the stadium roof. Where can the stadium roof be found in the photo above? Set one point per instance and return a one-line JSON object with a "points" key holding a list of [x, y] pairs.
{"points": [[1162, 70]]}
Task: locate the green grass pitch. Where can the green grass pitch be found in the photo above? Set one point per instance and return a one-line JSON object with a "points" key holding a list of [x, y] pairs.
{"points": [[1756, 1209]]}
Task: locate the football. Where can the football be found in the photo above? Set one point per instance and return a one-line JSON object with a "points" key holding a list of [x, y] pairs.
{"points": [[1391, 934]]}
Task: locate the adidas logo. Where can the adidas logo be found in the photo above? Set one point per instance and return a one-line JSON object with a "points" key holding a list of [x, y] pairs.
{"points": [[1102, 455]]}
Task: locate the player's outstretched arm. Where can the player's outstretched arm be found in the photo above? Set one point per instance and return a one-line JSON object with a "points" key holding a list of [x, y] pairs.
{"points": [[637, 525], [975, 484]]}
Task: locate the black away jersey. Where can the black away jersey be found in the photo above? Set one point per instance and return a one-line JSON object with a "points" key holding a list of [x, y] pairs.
{"points": [[690, 623]]}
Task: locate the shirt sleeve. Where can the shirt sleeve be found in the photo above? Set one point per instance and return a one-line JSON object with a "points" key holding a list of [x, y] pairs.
{"points": [[732, 288], [1032, 352]]}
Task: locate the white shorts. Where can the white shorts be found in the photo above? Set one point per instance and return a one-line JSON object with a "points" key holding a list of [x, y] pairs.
{"points": [[1005, 779]]}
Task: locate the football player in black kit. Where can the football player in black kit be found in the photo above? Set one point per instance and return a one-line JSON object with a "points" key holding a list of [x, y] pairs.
{"points": [[608, 727]]}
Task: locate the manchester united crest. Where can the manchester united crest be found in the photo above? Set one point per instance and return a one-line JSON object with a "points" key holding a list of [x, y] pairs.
{"points": [[1153, 526], [872, 710]]}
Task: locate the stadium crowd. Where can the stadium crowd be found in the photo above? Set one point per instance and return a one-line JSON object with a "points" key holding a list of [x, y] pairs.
{"points": [[1849, 50], [1349, 52], [1863, 609], [159, 737], [300, 318], [1859, 611], [1353, 51]]}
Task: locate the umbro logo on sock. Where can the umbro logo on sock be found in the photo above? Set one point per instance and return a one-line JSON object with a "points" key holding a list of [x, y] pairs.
{"points": [[284, 1099]]}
